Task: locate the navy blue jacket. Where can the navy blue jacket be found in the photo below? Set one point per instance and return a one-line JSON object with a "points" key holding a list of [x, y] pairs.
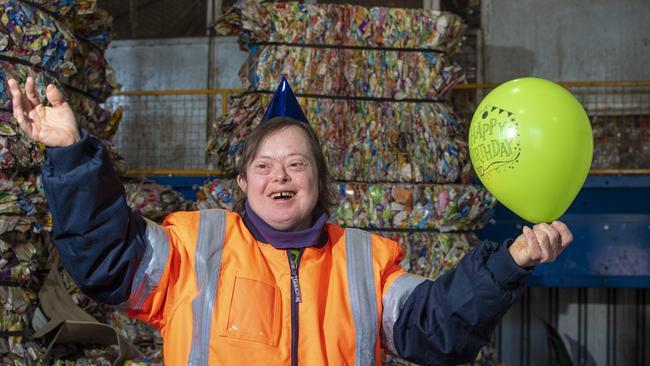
{"points": [[101, 242]]}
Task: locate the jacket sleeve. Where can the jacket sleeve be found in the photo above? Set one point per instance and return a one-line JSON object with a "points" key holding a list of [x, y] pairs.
{"points": [[448, 320], [99, 239]]}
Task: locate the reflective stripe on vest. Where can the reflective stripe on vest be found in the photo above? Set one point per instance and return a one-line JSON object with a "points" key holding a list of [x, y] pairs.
{"points": [[363, 301], [212, 228], [151, 267], [392, 302]]}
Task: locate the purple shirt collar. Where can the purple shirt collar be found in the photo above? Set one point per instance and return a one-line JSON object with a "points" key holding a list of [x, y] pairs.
{"points": [[310, 237]]}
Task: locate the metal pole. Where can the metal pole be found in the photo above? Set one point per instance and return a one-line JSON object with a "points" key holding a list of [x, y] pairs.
{"points": [[133, 17], [214, 11]]}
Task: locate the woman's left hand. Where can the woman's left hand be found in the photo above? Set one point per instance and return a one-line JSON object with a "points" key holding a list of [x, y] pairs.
{"points": [[541, 244]]}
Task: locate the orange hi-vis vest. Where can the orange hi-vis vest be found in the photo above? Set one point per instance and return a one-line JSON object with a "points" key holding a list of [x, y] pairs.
{"points": [[220, 297]]}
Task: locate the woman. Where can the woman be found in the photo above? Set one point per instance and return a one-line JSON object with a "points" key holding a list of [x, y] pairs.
{"points": [[274, 284]]}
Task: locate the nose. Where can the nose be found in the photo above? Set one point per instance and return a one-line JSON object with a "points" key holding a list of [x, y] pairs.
{"points": [[280, 173]]}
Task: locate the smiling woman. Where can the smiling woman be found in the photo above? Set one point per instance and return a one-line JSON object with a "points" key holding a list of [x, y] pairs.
{"points": [[283, 175], [273, 283]]}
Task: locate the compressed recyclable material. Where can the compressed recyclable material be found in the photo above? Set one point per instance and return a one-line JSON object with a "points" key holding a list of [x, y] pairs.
{"points": [[21, 194], [17, 351], [403, 206], [24, 224], [15, 313], [354, 73], [17, 151], [225, 146], [371, 81], [431, 254], [66, 9], [72, 354], [59, 42], [94, 27], [35, 38], [82, 17], [154, 201], [218, 193], [20, 261], [344, 25], [621, 142]]}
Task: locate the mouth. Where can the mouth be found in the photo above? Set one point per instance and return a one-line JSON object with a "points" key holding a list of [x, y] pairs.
{"points": [[283, 195]]}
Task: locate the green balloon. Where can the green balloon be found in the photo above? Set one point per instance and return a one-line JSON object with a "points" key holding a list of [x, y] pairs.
{"points": [[531, 145]]}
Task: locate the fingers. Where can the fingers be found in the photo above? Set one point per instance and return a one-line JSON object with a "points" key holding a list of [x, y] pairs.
{"points": [[565, 234], [544, 242], [54, 96], [17, 102], [40, 113], [549, 242], [30, 90], [534, 251]]}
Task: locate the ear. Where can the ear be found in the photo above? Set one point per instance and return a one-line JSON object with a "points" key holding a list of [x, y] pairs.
{"points": [[242, 183]]}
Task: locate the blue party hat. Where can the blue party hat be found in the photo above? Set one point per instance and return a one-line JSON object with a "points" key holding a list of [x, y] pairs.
{"points": [[284, 104]]}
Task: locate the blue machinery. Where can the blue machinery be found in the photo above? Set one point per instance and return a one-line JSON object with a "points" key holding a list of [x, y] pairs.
{"points": [[610, 220]]}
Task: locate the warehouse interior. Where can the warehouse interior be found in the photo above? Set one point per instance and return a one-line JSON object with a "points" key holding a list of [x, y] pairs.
{"points": [[172, 88]]}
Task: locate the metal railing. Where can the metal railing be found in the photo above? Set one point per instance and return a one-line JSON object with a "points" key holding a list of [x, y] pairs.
{"points": [[164, 132]]}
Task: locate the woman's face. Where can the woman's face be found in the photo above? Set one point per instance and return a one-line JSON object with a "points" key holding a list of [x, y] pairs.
{"points": [[281, 182]]}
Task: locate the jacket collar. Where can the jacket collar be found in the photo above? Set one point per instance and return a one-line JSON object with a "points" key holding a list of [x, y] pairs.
{"points": [[314, 236]]}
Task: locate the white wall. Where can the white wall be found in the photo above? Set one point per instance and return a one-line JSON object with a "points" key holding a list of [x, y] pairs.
{"points": [[177, 63], [577, 40]]}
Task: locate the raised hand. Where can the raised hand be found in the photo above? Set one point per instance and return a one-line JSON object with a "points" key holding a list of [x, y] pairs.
{"points": [[543, 243], [54, 126]]}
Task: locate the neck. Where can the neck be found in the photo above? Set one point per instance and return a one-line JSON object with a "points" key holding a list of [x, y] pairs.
{"points": [[313, 235]]}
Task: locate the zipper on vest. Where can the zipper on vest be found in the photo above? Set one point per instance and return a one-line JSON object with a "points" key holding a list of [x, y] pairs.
{"points": [[294, 262]]}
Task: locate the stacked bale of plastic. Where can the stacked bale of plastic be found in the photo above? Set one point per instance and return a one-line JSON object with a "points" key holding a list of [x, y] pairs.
{"points": [[60, 42], [154, 201]]}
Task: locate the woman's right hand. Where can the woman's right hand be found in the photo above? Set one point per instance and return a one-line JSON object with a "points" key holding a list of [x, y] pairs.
{"points": [[54, 126]]}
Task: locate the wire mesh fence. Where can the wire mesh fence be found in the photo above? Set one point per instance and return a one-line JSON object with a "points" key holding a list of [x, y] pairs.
{"points": [[167, 131]]}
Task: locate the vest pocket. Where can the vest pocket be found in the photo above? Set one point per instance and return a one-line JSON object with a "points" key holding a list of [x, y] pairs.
{"points": [[254, 312]]}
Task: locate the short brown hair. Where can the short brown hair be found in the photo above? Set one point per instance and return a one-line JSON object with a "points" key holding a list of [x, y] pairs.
{"points": [[326, 195]]}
